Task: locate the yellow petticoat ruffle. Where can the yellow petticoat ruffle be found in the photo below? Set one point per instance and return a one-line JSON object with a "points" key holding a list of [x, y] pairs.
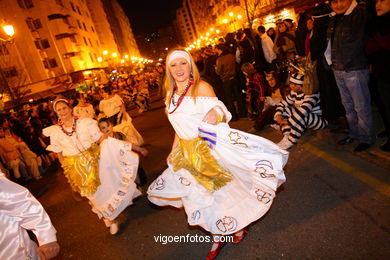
{"points": [[82, 171], [194, 155]]}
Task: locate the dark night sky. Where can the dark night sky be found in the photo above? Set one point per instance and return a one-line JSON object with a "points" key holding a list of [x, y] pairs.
{"points": [[147, 16]]}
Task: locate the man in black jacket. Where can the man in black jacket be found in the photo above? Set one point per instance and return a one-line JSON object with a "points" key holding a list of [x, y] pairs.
{"points": [[346, 38]]}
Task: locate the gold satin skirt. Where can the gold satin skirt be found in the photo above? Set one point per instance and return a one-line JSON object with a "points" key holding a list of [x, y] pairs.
{"points": [[194, 155], [82, 171]]}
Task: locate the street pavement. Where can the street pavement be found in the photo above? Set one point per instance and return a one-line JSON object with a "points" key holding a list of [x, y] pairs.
{"points": [[334, 205]]}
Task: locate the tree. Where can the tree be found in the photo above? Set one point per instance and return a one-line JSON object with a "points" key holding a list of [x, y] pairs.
{"points": [[252, 9]]}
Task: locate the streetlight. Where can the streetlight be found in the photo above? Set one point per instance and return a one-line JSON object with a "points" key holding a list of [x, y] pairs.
{"points": [[9, 30], [114, 54], [105, 52], [231, 14], [239, 17], [99, 59], [225, 21]]}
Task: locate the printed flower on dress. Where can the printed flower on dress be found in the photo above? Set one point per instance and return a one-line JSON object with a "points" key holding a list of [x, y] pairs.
{"points": [[185, 181], [227, 224], [158, 184], [263, 197], [238, 139], [263, 172], [195, 216]]}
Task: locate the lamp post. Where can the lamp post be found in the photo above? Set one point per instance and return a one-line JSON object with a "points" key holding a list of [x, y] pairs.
{"points": [[9, 31]]}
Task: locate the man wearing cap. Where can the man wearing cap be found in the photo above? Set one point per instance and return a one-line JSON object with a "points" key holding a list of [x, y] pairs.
{"points": [[346, 38], [297, 112]]}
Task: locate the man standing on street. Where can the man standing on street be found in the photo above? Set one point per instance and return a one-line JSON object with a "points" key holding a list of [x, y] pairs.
{"points": [[346, 38], [268, 48]]}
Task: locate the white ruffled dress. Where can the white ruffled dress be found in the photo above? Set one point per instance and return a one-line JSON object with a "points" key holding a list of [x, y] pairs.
{"points": [[118, 165], [255, 163]]}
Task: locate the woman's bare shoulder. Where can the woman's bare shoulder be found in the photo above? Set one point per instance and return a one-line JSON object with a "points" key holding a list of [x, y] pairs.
{"points": [[205, 89]]}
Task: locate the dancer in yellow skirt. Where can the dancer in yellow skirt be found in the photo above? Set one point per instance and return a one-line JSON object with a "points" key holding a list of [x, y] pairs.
{"points": [[100, 168], [224, 178]]}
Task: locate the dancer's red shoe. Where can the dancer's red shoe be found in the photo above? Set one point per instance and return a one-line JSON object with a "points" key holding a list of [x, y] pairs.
{"points": [[214, 253], [238, 239]]}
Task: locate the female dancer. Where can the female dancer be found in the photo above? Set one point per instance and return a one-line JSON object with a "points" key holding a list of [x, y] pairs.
{"points": [[114, 108], [224, 178], [104, 174], [83, 109]]}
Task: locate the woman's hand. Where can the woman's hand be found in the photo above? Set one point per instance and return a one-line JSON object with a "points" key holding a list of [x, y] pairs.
{"points": [[48, 251], [211, 117]]}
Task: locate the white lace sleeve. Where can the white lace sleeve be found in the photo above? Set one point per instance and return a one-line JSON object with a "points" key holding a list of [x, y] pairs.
{"points": [[93, 129], [52, 132], [214, 102]]}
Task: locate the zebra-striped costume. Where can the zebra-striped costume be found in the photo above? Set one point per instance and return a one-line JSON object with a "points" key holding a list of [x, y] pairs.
{"points": [[301, 111]]}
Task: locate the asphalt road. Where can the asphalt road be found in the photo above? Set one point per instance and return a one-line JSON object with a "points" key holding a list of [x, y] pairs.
{"points": [[334, 205]]}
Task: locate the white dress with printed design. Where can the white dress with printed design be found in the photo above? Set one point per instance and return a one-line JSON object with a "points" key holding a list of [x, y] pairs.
{"points": [[118, 165], [255, 163]]}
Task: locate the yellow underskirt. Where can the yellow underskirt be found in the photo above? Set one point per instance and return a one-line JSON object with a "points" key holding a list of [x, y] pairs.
{"points": [[82, 171], [194, 155]]}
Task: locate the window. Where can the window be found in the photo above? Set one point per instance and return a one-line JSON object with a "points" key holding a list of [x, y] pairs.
{"points": [[42, 44], [71, 5], [78, 10], [37, 23], [91, 57], [25, 4], [97, 43], [45, 44], [38, 44], [59, 2], [92, 29], [85, 27], [90, 43], [3, 50], [10, 72], [73, 39], [53, 63], [30, 24], [79, 24], [85, 41], [46, 64]]}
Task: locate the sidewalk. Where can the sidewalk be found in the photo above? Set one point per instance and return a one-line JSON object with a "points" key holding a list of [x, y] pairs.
{"points": [[374, 154]]}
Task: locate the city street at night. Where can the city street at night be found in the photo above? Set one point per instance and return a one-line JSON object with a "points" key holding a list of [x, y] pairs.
{"points": [[194, 129], [334, 205]]}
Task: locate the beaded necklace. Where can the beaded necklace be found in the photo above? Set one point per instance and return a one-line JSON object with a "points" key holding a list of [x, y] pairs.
{"points": [[73, 127], [189, 84]]}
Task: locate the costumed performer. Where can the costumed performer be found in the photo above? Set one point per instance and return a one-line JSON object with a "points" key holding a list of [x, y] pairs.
{"points": [[103, 173], [19, 212], [224, 178], [114, 108]]}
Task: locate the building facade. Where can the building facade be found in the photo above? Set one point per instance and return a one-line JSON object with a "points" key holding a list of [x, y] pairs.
{"points": [[55, 38]]}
